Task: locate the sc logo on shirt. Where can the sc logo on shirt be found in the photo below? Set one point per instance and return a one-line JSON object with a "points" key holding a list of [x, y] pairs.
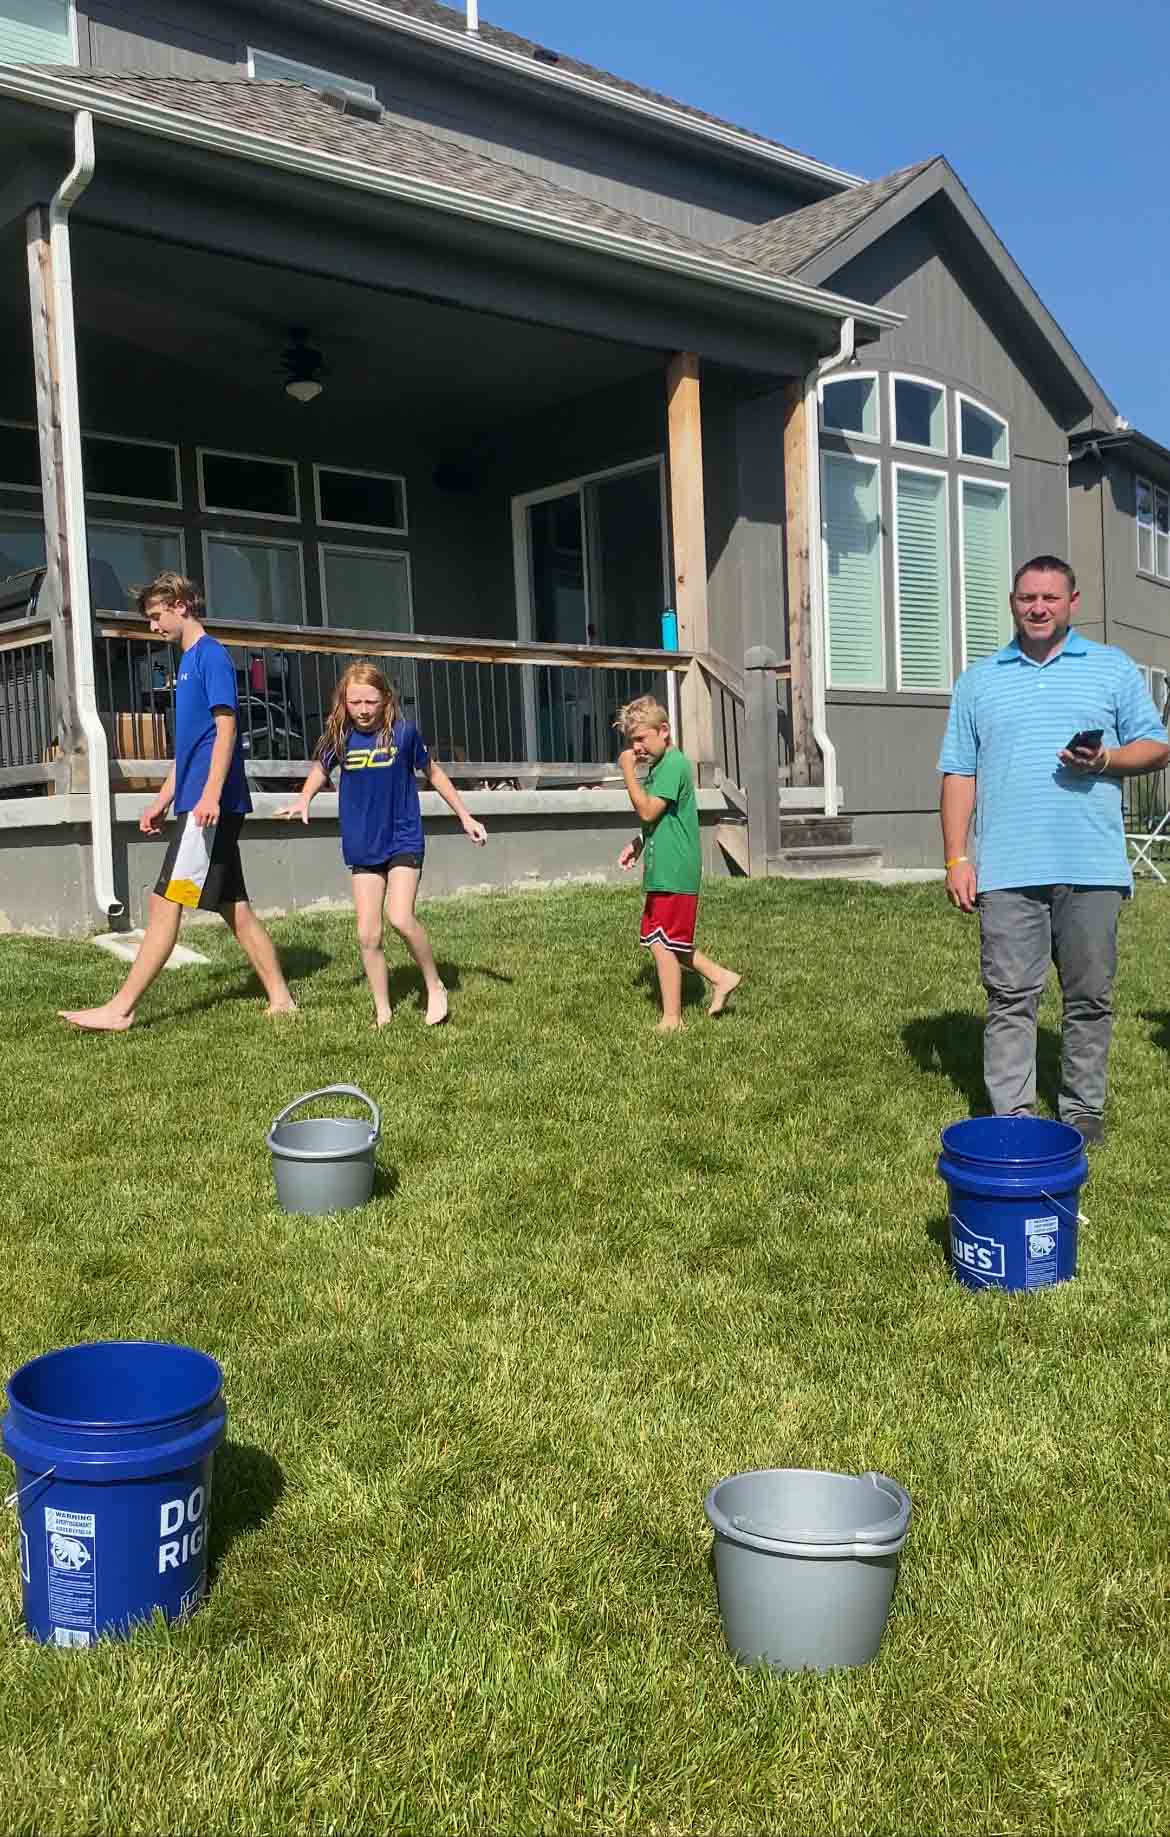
{"points": [[370, 758]]}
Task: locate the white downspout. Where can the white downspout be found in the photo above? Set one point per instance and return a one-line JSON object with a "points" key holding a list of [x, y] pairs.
{"points": [[81, 611], [816, 582], [473, 15]]}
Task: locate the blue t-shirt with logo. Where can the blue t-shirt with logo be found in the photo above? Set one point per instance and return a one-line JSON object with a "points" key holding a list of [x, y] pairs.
{"points": [[207, 680], [378, 794]]}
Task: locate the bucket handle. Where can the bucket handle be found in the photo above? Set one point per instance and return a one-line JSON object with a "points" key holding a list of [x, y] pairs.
{"points": [[1078, 1218], [336, 1090], [28, 1486]]}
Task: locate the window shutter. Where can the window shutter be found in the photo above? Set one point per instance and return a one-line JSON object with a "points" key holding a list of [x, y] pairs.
{"points": [[986, 570], [853, 580], [35, 32], [923, 572]]}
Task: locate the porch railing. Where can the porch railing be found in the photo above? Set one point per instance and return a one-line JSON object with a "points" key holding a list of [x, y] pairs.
{"points": [[28, 722], [495, 711]]}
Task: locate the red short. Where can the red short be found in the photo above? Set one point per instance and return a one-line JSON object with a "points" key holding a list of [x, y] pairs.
{"points": [[669, 918]]}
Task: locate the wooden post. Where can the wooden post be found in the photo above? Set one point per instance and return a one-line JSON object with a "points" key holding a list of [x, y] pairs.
{"points": [[689, 538], [71, 767], [806, 759]]}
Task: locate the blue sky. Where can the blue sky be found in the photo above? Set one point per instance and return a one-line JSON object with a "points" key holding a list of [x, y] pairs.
{"points": [[1056, 116]]}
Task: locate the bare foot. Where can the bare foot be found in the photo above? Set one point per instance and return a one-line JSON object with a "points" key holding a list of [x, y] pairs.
{"points": [[98, 1020], [669, 1027], [436, 1007], [282, 1007], [726, 986], [383, 1020]]}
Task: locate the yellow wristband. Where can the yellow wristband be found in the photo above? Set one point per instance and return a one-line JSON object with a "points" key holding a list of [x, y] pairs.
{"points": [[955, 860]]}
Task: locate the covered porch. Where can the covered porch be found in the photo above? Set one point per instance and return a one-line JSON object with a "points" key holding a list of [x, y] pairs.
{"points": [[498, 492]]}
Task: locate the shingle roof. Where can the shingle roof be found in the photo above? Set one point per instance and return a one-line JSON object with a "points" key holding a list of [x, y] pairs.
{"points": [[299, 116], [784, 245], [455, 21]]}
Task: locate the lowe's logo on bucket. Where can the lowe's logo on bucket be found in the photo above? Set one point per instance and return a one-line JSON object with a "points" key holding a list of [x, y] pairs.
{"points": [[185, 1516], [983, 1256]]}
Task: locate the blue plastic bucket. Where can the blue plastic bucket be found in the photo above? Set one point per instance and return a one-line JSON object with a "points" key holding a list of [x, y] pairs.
{"points": [[112, 1444], [1014, 1184]]}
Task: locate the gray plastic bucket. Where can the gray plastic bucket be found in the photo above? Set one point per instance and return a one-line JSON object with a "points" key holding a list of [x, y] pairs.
{"points": [[805, 1564], [325, 1163]]}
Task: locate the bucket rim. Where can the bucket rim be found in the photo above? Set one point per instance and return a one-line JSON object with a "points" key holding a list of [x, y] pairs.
{"points": [[885, 1537], [199, 1403], [1073, 1139]]}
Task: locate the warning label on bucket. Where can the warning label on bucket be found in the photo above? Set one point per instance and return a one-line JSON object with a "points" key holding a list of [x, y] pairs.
{"points": [[1041, 1238], [70, 1565]]}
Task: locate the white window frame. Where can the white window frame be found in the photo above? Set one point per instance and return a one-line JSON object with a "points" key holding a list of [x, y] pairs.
{"points": [[330, 79], [926, 472], [347, 548], [848, 433], [861, 459], [1139, 480], [373, 529], [985, 484], [924, 382], [1163, 492], [74, 35], [153, 529], [976, 459], [255, 542], [25, 427], [229, 510], [110, 497]]}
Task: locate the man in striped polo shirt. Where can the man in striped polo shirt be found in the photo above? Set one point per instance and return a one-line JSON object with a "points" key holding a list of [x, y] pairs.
{"points": [[1049, 870]]}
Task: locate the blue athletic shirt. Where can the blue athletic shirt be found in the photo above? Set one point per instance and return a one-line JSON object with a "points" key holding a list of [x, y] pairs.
{"points": [[378, 795], [207, 680]]}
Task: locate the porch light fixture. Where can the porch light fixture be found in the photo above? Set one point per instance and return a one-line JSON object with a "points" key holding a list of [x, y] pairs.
{"points": [[303, 367]]}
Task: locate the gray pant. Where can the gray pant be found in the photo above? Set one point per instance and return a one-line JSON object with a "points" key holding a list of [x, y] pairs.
{"points": [[1023, 930]]}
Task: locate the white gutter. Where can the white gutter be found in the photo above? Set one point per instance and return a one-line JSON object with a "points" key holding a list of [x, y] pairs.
{"points": [[595, 89], [816, 572], [72, 93], [81, 612]]}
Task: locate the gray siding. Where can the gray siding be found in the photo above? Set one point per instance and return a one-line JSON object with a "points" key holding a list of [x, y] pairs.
{"points": [[1131, 609], [888, 743], [693, 192]]}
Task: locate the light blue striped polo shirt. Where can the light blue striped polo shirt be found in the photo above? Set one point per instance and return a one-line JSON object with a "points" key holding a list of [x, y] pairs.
{"points": [[1038, 824]]}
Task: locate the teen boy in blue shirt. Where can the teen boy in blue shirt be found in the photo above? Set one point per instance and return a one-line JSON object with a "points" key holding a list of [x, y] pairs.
{"points": [[210, 792], [1050, 870]]}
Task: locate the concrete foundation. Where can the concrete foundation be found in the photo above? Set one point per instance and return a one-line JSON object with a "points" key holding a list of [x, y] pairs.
{"points": [[536, 838]]}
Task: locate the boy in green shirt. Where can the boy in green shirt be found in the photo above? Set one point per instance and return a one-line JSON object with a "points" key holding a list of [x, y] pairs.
{"points": [[669, 844]]}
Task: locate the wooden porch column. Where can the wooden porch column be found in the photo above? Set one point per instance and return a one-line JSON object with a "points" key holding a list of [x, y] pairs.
{"points": [[689, 538], [71, 769], [807, 768]]}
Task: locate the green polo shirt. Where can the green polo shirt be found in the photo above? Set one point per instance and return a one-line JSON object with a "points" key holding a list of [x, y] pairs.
{"points": [[671, 862]]}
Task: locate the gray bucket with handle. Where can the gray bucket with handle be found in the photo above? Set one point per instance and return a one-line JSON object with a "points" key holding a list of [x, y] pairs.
{"points": [[805, 1564], [325, 1163]]}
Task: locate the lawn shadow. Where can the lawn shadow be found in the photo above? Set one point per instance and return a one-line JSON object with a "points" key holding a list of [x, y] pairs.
{"points": [[406, 980], [386, 1182], [952, 1043], [693, 987], [247, 1487], [1159, 1019], [938, 1230], [298, 961]]}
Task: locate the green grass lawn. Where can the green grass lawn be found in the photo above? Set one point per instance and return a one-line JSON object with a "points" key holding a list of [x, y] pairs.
{"points": [[461, 1566]]}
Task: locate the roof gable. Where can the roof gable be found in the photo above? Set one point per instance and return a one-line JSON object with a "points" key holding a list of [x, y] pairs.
{"points": [[816, 243]]}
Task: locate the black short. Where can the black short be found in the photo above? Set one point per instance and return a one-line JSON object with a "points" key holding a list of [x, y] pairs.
{"points": [[407, 859], [224, 885]]}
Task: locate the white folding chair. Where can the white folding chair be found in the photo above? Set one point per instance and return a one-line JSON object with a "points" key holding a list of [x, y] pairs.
{"points": [[1141, 842]]}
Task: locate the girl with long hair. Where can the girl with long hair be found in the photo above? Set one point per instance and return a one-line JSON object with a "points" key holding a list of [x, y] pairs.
{"points": [[378, 752]]}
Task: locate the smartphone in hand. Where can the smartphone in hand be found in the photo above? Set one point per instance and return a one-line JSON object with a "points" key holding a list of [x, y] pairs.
{"points": [[1087, 741]]}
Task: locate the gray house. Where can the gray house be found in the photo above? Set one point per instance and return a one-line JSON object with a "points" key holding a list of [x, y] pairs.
{"points": [[424, 342]]}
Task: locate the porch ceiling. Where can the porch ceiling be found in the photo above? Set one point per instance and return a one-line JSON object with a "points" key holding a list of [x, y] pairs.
{"points": [[449, 371]]}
